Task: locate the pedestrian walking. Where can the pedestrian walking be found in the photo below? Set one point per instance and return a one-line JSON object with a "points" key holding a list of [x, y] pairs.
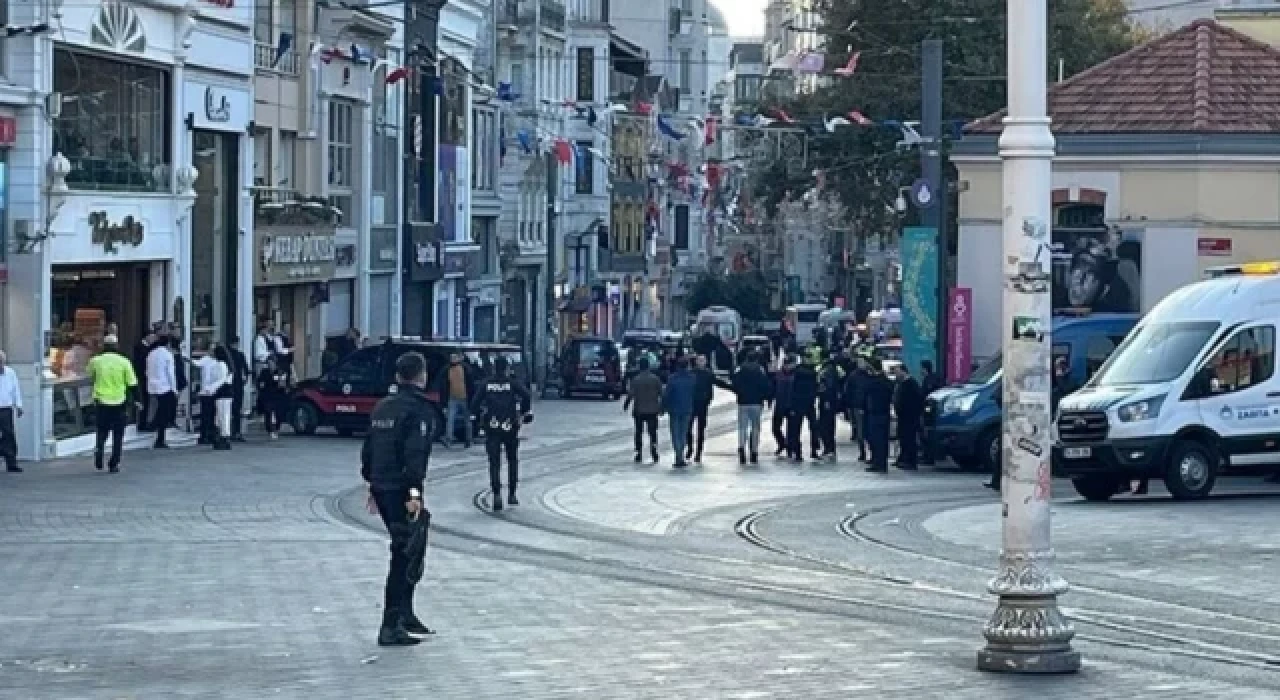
{"points": [[502, 402], [113, 380], [804, 392], [223, 398], [644, 399], [877, 398], [908, 404], [830, 406], [241, 375], [930, 381], [10, 409], [677, 403], [457, 380], [273, 397], [783, 384], [393, 461], [751, 386], [162, 386], [209, 372], [703, 392]]}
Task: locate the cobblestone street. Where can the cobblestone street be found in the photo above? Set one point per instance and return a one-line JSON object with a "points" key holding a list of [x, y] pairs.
{"points": [[259, 573]]}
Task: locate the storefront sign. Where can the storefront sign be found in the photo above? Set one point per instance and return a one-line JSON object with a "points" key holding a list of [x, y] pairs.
{"points": [[110, 236], [425, 252], [294, 255], [382, 249], [8, 131], [1214, 247], [216, 107]]}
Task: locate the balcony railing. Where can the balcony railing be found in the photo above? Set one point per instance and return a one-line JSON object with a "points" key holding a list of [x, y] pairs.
{"points": [[553, 15], [264, 58]]}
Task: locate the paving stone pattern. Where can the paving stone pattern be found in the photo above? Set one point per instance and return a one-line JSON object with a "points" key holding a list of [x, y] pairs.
{"points": [[196, 574]]}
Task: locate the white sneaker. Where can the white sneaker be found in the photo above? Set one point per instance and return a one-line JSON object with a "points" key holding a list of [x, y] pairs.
{"points": [[275, 436]]}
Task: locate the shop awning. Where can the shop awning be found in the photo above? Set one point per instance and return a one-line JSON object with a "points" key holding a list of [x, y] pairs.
{"points": [[627, 57]]}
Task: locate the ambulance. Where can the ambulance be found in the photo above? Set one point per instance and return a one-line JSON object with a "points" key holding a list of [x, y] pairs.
{"points": [[1191, 394]]}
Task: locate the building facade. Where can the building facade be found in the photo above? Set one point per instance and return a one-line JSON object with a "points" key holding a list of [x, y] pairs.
{"points": [[326, 255], [123, 125]]}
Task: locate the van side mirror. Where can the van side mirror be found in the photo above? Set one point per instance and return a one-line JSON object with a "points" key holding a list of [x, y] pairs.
{"points": [[1216, 386]]}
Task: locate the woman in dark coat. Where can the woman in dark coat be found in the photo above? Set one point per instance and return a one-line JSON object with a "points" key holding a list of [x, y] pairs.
{"points": [[273, 396]]}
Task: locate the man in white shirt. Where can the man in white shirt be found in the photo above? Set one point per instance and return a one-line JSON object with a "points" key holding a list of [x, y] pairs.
{"points": [[209, 383], [10, 403], [162, 385]]}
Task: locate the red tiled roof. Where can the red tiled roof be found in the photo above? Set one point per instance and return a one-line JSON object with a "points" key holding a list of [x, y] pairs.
{"points": [[1202, 78]]}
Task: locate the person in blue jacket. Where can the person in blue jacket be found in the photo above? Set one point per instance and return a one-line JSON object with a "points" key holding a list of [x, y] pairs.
{"points": [[677, 402]]}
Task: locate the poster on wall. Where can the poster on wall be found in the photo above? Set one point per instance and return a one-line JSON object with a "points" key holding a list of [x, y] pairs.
{"points": [[959, 335], [919, 296], [1097, 270], [448, 193]]}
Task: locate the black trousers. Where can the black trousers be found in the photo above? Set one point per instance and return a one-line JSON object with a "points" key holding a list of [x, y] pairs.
{"points": [[778, 423], [208, 420], [795, 421], [166, 412], [273, 406], [397, 603], [878, 440], [111, 421], [495, 441], [827, 415], [237, 412], [8, 438], [908, 440], [646, 422], [698, 427]]}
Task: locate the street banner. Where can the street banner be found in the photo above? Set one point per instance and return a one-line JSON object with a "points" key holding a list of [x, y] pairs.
{"points": [[959, 335], [919, 297]]}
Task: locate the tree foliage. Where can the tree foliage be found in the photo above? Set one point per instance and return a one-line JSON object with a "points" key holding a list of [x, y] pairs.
{"points": [[746, 292], [862, 166]]}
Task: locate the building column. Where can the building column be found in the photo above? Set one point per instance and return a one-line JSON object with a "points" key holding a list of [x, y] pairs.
{"points": [[364, 232]]}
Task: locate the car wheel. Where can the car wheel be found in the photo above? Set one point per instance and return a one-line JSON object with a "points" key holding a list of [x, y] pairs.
{"points": [[989, 450], [968, 462], [1192, 470], [1095, 488], [566, 393], [346, 432], [304, 418]]}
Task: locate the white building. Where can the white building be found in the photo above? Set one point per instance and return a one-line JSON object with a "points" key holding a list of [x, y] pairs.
{"points": [[789, 33], [110, 226]]}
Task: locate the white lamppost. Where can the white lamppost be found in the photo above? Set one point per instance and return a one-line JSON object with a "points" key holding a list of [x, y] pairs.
{"points": [[1027, 633]]}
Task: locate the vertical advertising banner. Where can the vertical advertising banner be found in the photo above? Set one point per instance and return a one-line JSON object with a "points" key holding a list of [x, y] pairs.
{"points": [[959, 335], [919, 297], [447, 206]]}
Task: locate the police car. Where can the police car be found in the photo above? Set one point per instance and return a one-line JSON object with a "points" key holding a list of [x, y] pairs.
{"points": [[1192, 393], [343, 397]]}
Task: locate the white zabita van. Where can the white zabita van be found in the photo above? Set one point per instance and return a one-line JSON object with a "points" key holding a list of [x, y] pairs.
{"points": [[1190, 394]]}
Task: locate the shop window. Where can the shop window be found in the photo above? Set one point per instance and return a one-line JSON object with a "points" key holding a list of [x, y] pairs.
{"points": [[263, 22], [585, 168], [262, 158], [682, 227], [484, 152], [114, 125], [386, 145], [454, 108], [482, 234]]}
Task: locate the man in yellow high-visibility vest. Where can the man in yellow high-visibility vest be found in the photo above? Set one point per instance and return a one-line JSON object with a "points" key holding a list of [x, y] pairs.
{"points": [[113, 378]]}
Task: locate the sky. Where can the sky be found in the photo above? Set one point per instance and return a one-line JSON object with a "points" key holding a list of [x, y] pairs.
{"points": [[746, 17]]}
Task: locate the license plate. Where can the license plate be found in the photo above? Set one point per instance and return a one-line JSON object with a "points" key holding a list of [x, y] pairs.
{"points": [[594, 377], [345, 408], [1077, 452]]}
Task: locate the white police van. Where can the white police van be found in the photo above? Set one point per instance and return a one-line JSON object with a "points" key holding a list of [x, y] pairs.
{"points": [[1190, 394]]}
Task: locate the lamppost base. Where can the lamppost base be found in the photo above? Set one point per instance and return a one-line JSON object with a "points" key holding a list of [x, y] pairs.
{"points": [[1028, 635]]}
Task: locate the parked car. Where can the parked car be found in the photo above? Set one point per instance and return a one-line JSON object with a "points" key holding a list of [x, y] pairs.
{"points": [[343, 397]]}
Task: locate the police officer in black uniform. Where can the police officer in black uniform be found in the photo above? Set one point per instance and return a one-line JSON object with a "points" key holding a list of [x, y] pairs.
{"points": [[502, 402], [394, 463], [877, 399]]}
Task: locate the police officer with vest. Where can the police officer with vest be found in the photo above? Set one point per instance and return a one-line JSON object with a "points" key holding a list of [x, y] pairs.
{"points": [[394, 463], [502, 403]]}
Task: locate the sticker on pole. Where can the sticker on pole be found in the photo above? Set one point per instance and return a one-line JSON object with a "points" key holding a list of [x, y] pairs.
{"points": [[922, 194], [1028, 328]]}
